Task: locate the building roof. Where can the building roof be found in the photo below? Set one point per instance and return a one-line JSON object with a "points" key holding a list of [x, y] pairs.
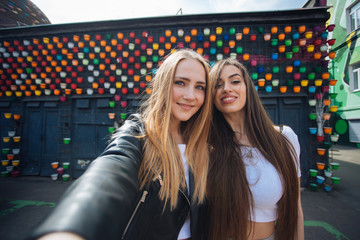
{"points": [[303, 15]]}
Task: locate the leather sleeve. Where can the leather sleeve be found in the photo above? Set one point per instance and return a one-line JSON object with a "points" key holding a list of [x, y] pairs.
{"points": [[98, 205]]}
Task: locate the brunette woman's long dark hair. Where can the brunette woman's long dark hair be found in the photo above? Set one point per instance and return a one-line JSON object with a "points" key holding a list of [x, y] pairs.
{"points": [[229, 194]]}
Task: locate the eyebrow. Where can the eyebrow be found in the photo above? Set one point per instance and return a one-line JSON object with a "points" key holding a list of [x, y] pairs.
{"points": [[231, 76], [188, 80], [235, 74]]}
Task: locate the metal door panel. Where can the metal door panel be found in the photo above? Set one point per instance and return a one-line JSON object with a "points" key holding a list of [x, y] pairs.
{"points": [[104, 137], [50, 140], [272, 111], [32, 141], [84, 136], [293, 114], [90, 131], [5, 126], [103, 116], [290, 116], [83, 116], [41, 136]]}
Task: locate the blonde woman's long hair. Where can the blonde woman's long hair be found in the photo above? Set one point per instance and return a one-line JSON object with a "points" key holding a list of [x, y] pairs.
{"points": [[161, 153]]}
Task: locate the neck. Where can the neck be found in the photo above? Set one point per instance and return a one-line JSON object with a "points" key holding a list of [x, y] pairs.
{"points": [[236, 121]]}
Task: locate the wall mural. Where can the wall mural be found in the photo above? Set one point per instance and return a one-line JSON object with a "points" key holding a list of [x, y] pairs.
{"points": [[284, 60]]}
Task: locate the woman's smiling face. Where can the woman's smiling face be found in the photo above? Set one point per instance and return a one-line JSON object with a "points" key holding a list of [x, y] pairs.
{"points": [[230, 95], [188, 89]]}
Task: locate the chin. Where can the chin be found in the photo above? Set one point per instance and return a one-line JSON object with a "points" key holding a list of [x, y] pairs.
{"points": [[184, 119]]}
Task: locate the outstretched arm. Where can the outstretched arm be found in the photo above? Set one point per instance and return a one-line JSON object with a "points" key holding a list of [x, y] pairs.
{"points": [[98, 205]]}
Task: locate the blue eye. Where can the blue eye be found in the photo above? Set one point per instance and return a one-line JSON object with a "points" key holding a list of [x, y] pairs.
{"points": [[200, 87], [181, 83]]}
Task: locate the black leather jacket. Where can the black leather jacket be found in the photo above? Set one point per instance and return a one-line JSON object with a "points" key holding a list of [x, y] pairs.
{"points": [[106, 203]]}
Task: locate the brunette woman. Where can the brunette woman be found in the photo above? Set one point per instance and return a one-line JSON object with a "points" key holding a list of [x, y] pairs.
{"points": [[150, 182], [254, 175]]}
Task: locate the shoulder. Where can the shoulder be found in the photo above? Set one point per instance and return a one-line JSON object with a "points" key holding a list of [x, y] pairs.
{"points": [[130, 134], [134, 125], [288, 132], [127, 141]]}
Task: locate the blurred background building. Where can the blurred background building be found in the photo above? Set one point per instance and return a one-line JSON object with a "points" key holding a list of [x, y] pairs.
{"points": [[64, 88], [15, 13]]}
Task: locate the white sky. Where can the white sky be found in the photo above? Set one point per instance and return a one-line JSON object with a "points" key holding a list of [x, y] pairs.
{"points": [[68, 11]]}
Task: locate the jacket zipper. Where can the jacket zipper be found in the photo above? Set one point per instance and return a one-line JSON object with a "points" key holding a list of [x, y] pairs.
{"points": [[185, 197], [143, 197], [188, 203], [161, 183]]}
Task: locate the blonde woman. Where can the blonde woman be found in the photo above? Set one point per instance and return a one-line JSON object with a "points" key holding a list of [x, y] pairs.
{"points": [[254, 173], [150, 182]]}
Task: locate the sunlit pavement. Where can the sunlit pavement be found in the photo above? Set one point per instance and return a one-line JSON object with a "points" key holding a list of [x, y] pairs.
{"points": [[25, 201], [336, 214]]}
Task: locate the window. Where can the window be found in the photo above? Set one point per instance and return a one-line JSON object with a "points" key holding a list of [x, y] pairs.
{"points": [[354, 130], [354, 17], [355, 77]]}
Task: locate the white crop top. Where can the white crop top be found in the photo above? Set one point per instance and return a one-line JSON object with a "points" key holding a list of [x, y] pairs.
{"points": [[185, 230], [264, 180]]}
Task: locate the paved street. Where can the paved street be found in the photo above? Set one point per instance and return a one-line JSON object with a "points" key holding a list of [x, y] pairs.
{"points": [[336, 215], [24, 201]]}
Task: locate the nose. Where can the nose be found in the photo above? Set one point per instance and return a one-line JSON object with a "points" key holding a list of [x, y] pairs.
{"points": [[227, 87], [189, 94]]}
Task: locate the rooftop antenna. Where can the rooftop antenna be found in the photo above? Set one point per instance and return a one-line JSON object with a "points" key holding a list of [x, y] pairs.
{"points": [[179, 12]]}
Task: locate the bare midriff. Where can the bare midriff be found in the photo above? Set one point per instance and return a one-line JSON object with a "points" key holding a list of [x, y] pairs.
{"points": [[261, 230]]}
